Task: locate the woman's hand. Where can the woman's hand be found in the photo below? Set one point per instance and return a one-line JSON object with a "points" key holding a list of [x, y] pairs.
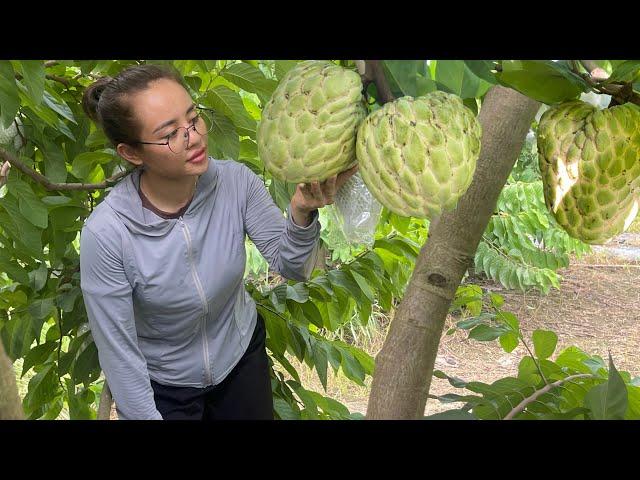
{"points": [[311, 196]]}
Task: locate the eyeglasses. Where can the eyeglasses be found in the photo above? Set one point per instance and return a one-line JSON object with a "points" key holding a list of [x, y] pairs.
{"points": [[178, 139]]}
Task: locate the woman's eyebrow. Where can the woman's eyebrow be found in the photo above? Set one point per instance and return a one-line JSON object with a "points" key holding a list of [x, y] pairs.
{"points": [[173, 120]]}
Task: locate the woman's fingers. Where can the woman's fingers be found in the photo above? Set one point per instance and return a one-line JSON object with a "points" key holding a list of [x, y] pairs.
{"points": [[329, 188]]}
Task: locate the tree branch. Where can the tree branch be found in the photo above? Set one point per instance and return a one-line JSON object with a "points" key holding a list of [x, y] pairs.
{"points": [[523, 404], [56, 78], [46, 183], [620, 92], [374, 73], [589, 65]]}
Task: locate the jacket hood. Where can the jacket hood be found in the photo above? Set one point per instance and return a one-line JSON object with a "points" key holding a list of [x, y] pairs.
{"points": [[126, 203]]}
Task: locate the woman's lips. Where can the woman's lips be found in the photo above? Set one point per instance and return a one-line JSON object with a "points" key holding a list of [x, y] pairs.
{"points": [[197, 157]]}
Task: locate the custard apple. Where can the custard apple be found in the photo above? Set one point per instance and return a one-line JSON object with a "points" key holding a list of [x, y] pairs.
{"points": [[418, 155], [308, 127], [590, 164]]}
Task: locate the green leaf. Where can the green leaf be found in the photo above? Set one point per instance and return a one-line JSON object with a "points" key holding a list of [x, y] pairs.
{"points": [[79, 402], [425, 85], [40, 311], [281, 192], [320, 360], [633, 410], [85, 162], [66, 301], [87, 366], [37, 356], [13, 269], [544, 343], [458, 79], [278, 298], [474, 321], [248, 78], [497, 300], [485, 333], [284, 410], [287, 366], [625, 71], [366, 360], [402, 75], [483, 69], [229, 103], [34, 75], [510, 320], [544, 81], [40, 276], [58, 106], [342, 280], [352, 368], [223, 137], [364, 285], [56, 200], [30, 205], [276, 331], [9, 97], [452, 415], [42, 387], [298, 293], [609, 400], [509, 341], [18, 335], [55, 167], [283, 66], [22, 231]]}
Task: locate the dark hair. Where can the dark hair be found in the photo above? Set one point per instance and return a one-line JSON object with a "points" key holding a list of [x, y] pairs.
{"points": [[105, 100]]}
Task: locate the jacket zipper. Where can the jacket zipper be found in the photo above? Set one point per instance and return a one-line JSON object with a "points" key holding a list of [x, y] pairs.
{"points": [[203, 298]]}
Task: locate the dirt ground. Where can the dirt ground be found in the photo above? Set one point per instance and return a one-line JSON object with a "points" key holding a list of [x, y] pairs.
{"points": [[597, 309]]}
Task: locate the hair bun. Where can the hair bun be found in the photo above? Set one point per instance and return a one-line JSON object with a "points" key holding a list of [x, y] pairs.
{"points": [[91, 98]]}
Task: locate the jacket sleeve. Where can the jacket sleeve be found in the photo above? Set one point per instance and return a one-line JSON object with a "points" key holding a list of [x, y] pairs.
{"points": [[107, 296], [290, 249]]}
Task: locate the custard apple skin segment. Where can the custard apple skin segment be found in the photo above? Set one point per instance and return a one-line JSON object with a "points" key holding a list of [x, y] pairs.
{"points": [[590, 165], [418, 155], [308, 127]]}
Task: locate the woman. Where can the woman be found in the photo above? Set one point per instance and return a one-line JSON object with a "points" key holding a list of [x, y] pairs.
{"points": [[162, 258]]}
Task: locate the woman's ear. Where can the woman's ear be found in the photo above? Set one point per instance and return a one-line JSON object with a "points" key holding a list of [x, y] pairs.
{"points": [[129, 154]]}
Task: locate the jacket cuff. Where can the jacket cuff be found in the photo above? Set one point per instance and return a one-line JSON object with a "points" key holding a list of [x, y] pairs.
{"points": [[309, 232]]}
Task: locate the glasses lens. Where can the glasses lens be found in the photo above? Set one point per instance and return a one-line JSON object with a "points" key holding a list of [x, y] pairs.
{"points": [[178, 141], [204, 123]]}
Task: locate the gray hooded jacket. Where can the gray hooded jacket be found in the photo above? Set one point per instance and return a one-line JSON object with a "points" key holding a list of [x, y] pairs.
{"points": [[165, 298]]}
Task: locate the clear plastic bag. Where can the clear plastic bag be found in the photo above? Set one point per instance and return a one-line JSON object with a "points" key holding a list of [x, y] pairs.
{"points": [[357, 211]]}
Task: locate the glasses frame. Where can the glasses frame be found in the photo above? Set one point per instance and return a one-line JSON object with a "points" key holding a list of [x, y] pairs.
{"points": [[199, 111]]}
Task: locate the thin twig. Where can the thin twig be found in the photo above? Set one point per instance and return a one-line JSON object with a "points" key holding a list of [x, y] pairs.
{"points": [[522, 405], [375, 74], [24, 140], [620, 92], [46, 183]]}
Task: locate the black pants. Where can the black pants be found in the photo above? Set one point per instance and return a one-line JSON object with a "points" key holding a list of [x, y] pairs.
{"points": [[245, 394]]}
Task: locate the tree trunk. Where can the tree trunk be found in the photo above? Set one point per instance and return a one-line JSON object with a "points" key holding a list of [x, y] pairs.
{"points": [[106, 401], [10, 404], [404, 366]]}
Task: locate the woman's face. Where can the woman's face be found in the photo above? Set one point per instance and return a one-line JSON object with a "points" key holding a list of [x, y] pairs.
{"points": [[161, 109]]}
